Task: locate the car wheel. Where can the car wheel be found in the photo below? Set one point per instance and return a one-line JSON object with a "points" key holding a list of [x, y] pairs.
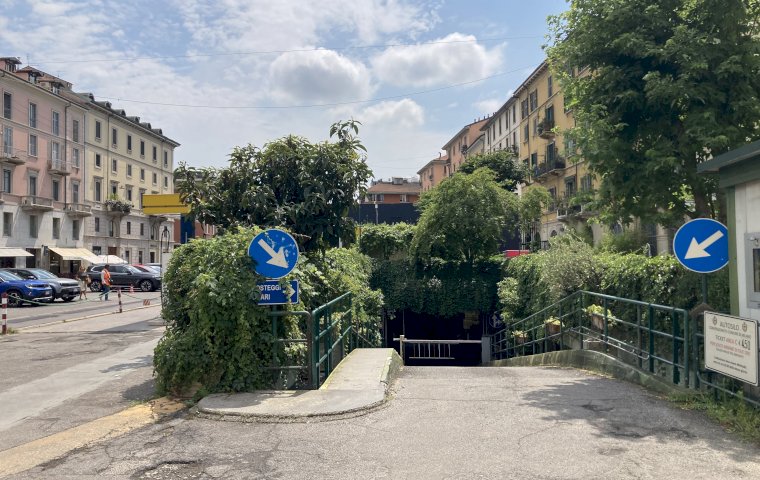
{"points": [[15, 299], [68, 299], [95, 286], [146, 286]]}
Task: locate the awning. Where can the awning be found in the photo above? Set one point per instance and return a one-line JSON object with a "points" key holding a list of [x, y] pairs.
{"points": [[107, 259], [14, 252], [75, 254]]}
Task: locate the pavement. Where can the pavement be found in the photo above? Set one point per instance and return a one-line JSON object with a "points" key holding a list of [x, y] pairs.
{"points": [[358, 384]]}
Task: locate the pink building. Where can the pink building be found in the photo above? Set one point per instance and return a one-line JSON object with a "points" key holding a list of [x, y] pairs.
{"points": [[42, 160]]}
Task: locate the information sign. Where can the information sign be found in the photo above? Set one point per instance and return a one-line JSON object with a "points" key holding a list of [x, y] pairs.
{"points": [[272, 293], [701, 245], [275, 253], [731, 346]]}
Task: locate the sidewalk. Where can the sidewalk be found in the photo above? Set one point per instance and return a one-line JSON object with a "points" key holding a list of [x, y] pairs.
{"points": [[359, 383]]}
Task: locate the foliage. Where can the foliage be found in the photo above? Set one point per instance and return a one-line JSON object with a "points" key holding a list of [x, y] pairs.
{"points": [[552, 321], [217, 336], [732, 413], [571, 265], [599, 311], [115, 204], [630, 240], [292, 183], [384, 241], [463, 218], [534, 201], [507, 173], [672, 83]]}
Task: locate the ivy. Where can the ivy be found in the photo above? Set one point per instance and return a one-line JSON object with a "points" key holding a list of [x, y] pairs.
{"points": [[383, 241]]}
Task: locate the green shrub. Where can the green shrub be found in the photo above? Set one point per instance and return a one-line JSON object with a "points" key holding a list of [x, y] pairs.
{"points": [[384, 241]]}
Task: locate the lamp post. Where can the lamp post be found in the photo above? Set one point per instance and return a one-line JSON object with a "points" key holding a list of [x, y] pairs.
{"points": [[164, 234]]}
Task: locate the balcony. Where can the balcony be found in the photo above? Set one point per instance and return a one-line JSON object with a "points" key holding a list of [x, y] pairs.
{"points": [[78, 210], [59, 167], [117, 208], [33, 203], [9, 155], [545, 127], [543, 170]]}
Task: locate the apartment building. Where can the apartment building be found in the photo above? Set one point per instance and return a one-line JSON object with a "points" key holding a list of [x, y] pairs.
{"points": [[126, 158], [395, 190], [433, 172], [502, 130], [43, 145], [468, 141]]}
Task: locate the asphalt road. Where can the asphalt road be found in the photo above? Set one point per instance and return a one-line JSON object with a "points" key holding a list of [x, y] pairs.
{"points": [[443, 423]]}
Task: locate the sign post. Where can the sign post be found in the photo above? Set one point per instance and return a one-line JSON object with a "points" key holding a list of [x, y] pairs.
{"points": [[701, 246], [276, 254]]}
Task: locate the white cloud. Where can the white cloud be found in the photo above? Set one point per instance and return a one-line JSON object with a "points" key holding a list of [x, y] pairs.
{"points": [[321, 76], [461, 59], [489, 105], [404, 113]]}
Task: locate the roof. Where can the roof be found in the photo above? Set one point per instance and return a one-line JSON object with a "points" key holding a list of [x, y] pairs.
{"points": [[732, 157], [383, 187], [443, 160], [496, 114], [464, 129], [544, 65]]}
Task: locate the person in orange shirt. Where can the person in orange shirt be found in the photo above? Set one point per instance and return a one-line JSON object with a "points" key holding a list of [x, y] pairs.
{"points": [[105, 282]]}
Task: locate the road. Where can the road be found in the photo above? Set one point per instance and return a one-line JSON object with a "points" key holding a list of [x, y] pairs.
{"points": [[442, 423]]}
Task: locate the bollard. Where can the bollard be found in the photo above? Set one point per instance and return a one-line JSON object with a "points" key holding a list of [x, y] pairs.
{"points": [[5, 313], [119, 295], [131, 289]]}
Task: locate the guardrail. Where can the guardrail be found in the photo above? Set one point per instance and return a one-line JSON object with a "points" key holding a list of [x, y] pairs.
{"points": [[428, 349]]}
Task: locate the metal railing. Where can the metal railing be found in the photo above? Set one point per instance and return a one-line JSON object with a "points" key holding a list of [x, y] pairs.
{"points": [[330, 335], [414, 349]]}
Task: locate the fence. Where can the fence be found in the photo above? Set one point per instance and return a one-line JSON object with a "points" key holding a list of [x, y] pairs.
{"points": [[330, 335], [660, 339]]}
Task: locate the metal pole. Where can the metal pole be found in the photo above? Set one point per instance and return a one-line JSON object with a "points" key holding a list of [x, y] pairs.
{"points": [[5, 313], [119, 295], [704, 288], [401, 347]]}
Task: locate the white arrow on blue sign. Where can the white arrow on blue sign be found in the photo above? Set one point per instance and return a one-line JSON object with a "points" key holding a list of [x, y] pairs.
{"points": [[701, 245], [272, 293], [275, 253]]}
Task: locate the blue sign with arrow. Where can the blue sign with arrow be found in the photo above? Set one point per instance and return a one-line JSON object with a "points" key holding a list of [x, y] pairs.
{"points": [[272, 293], [275, 253], [701, 245]]}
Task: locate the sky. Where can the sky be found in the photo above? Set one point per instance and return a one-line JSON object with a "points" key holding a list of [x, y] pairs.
{"points": [[215, 74]]}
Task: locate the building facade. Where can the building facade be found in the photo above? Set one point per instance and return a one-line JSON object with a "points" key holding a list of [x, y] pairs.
{"points": [[433, 172], [502, 129], [395, 190], [459, 147]]}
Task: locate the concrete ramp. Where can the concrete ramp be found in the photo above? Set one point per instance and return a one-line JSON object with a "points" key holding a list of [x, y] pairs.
{"points": [[358, 384]]}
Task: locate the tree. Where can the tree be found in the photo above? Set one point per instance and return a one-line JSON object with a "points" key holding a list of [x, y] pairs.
{"points": [[502, 163], [307, 188], [672, 83], [463, 218]]}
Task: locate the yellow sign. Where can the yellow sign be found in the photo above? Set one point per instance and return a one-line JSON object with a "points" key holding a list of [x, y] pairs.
{"points": [[165, 203]]}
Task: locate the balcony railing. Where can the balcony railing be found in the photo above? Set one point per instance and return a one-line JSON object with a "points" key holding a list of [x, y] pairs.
{"points": [[61, 167], [10, 155], [546, 168], [79, 209], [35, 203], [545, 127]]}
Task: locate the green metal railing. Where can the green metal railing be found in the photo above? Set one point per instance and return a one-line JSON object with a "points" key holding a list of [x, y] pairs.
{"points": [[660, 339], [330, 335]]}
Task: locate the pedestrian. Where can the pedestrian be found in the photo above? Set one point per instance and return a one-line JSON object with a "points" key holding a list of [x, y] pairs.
{"points": [[105, 282], [82, 278]]}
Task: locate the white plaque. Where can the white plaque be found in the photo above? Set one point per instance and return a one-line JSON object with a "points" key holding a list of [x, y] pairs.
{"points": [[731, 346]]}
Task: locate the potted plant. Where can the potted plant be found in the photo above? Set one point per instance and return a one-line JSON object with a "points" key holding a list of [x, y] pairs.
{"points": [[597, 313], [552, 325], [115, 204], [519, 336]]}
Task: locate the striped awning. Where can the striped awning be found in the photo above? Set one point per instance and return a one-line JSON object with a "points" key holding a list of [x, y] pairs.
{"points": [[14, 252]]}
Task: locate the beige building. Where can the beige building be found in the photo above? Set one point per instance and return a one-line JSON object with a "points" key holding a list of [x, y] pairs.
{"points": [[433, 172], [126, 158], [466, 142], [502, 129]]}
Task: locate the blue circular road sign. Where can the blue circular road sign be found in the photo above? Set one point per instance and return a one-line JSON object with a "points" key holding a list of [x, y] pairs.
{"points": [[275, 253], [701, 245]]}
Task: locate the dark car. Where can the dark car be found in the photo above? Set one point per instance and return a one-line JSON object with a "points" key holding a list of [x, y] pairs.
{"points": [[124, 276], [20, 290], [63, 288]]}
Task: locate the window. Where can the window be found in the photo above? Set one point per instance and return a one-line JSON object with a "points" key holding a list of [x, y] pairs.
{"points": [[56, 228], [533, 159], [55, 151], [550, 88], [8, 141], [7, 224], [129, 229], [142, 232], [142, 174], [75, 229], [142, 192], [33, 226], [549, 114], [32, 185], [153, 234], [114, 165], [155, 153], [526, 133], [97, 131], [97, 160], [97, 224], [110, 228], [140, 256], [586, 183], [142, 148], [75, 157], [152, 257], [129, 143], [535, 126], [7, 180], [155, 178], [403, 198], [524, 108], [514, 139], [32, 145], [97, 250], [75, 130], [56, 189], [499, 125], [129, 169], [570, 186], [166, 159], [7, 105], [129, 194], [98, 190], [33, 115], [126, 255], [56, 123], [114, 137], [514, 114], [551, 154], [114, 188], [75, 192], [166, 181], [533, 100]]}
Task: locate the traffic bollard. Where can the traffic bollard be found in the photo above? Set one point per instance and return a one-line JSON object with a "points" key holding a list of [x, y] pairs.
{"points": [[119, 295], [5, 313]]}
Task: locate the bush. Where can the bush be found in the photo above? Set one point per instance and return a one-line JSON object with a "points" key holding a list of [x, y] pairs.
{"points": [[384, 241]]}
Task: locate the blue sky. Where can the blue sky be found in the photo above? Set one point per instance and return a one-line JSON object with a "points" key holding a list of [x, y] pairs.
{"points": [[275, 58]]}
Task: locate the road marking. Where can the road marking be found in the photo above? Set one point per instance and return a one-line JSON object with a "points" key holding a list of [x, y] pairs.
{"points": [[66, 320], [37, 452]]}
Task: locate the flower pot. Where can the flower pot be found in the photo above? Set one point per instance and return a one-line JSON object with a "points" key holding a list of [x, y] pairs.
{"points": [[597, 320], [552, 328], [519, 340]]}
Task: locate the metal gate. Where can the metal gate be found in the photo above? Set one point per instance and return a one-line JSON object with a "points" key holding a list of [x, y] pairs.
{"points": [[428, 349]]}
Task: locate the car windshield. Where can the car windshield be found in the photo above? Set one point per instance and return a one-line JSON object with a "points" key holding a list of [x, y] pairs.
{"points": [[40, 273], [132, 269], [9, 276]]}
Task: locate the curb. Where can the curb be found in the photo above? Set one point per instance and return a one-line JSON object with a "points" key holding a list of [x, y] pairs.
{"points": [[67, 320]]}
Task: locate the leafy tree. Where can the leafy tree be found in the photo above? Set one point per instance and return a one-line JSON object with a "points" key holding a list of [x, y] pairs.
{"points": [[502, 163], [307, 188], [463, 218], [671, 84], [533, 202]]}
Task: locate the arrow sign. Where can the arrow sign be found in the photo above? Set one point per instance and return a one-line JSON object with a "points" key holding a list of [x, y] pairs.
{"points": [[701, 245], [275, 253]]}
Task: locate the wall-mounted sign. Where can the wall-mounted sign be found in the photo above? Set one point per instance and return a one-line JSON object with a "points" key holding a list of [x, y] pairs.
{"points": [[731, 346]]}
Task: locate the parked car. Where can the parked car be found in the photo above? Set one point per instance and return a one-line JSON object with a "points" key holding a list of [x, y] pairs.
{"points": [[66, 289], [124, 276], [20, 290], [156, 266], [147, 268]]}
